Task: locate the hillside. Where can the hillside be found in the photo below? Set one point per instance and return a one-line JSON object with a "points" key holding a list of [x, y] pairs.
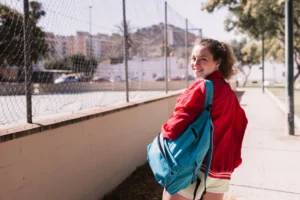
{"points": [[154, 35], [148, 42]]}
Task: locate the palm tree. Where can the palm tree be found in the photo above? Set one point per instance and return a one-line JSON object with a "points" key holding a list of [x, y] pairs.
{"points": [[36, 11], [130, 30]]}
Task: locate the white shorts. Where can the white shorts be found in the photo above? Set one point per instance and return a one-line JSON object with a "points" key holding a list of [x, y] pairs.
{"points": [[213, 185]]}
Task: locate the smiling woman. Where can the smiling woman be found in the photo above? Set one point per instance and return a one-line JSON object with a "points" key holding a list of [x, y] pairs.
{"points": [[211, 60]]}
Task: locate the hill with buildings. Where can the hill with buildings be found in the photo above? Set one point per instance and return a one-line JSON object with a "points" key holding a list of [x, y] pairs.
{"points": [[144, 42]]}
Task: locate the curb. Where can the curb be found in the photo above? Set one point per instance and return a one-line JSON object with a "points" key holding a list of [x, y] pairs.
{"points": [[282, 107]]}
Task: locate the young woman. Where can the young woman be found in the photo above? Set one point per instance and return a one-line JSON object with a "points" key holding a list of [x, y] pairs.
{"points": [[211, 60]]}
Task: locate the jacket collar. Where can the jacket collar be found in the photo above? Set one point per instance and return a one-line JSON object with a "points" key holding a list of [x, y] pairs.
{"points": [[215, 75]]}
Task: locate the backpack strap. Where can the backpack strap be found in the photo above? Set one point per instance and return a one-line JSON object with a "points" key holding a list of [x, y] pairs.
{"points": [[196, 188], [208, 161], [209, 90]]}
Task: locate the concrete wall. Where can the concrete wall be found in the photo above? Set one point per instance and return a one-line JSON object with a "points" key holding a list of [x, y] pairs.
{"points": [[118, 86], [82, 160], [12, 89]]}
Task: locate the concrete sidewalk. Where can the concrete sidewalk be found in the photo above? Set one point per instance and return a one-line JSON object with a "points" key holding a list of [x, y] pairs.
{"points": [[271, 158]]}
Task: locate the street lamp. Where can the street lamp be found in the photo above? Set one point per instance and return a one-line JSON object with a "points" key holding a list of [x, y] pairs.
{"points": [[289, 62]]}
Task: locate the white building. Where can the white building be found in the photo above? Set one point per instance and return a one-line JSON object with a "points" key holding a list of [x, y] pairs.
{"points": [[81, 43], [143, 70], [60, 46]]}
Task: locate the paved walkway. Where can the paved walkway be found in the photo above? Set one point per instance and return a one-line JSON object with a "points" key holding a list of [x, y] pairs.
{"points": [[271, 158]]}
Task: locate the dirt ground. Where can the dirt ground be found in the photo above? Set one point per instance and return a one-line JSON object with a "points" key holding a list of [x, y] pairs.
{"points": [[140, 185]]}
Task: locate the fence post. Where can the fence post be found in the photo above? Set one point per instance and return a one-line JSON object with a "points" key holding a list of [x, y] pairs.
{"points": [[125, 50], [166, 45], [27, 62], [186, 53]]}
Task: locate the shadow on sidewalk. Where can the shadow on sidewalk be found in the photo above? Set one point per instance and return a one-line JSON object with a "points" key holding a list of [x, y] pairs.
{"points": [[239, 95]]}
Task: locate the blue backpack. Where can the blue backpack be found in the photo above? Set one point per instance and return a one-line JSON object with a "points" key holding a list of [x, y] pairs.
{"points": [[176, 163]]}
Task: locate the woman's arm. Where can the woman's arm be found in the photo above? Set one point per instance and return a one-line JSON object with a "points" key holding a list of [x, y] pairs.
{"points": [[187, 108], [240, 129]]}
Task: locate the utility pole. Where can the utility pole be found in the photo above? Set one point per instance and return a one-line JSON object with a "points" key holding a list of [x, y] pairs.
{"points": [[289, 63]]}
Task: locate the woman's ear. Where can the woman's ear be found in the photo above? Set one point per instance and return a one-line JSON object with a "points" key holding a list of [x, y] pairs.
{"points": [[218, 63]]}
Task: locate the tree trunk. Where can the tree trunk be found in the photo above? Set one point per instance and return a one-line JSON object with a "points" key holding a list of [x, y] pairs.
{"points": [[247, 76], [298, 67], [298, 73]]}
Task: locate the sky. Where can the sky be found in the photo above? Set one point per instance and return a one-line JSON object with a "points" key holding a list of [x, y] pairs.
{"points": [[211, 23], [65, 17]]}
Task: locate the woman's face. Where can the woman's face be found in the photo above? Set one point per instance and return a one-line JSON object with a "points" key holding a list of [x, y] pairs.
{"points": [[202, 62]]}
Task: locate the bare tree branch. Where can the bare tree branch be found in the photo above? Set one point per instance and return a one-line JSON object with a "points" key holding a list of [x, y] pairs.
{"points": [[298, 66]]}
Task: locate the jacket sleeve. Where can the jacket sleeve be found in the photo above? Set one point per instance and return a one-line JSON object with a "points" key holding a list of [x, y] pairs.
{"points": [[241, 125], [188, 106]]}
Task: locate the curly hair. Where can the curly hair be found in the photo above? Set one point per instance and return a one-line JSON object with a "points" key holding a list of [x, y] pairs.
{"points": [[222, 51]]}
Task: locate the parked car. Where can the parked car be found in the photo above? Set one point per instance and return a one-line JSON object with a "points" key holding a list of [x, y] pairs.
{"points": [[66, 79], [101, 80], [190, 77], [269, 82], [176, 78], [161, 78]]}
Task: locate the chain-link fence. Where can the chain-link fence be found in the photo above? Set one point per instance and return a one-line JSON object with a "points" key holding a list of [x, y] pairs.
{"points": [[181, 35], [60, 57]]}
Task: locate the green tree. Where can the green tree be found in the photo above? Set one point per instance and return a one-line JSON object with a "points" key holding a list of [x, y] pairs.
{"points": [[261, 17], [247, 55], [11, 35], [54, 64], [76, 63], [36, 11], [275, 50], [82, 64]]}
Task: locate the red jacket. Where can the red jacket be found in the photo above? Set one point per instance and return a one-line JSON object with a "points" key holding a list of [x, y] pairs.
{"points": [[228, 117]]}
